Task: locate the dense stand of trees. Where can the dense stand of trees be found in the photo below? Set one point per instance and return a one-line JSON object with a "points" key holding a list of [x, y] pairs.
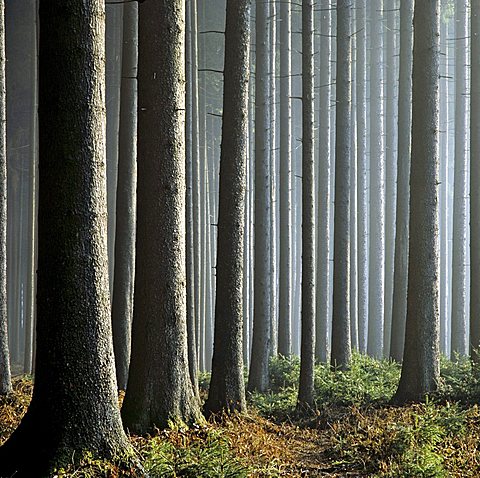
{"points": [[287, 202]]}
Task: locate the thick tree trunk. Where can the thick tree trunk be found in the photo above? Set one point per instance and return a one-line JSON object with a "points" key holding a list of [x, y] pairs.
{"points": [[323, 292], [399, 311], [460, 224], [475, 183], [123, 282], [376, 293], [159, 387], [421, 364], [227, 388], [68, 417], [341, 340], [258, 377], [5, 379], [307, 355]]}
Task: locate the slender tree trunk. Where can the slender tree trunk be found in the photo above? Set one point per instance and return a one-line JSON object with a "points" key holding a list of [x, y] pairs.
{"points": [[285, 279], [123, 281], [307, 356], [459, 264], [5, 379], [273, 181], [29, 296], [341, 343], [376, 292], [353, 196], [445, 190], [159, 388], [475, 182], [258, 377], [323, 292], [390, 168], [421, 364], [227, 389], [362, 196], [67, 418], [190, 246], [399, 311]]}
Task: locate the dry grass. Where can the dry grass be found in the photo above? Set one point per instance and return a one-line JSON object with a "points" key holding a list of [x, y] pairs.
{"points": [[430, 440]]}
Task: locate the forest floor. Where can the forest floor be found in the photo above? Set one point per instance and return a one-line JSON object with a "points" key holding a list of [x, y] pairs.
{"points": [[353, 431]]}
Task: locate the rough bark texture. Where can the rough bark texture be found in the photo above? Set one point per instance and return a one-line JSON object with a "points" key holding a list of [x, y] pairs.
{"points": [[341, 343], [124, 273], [285, 279], [258, 377], [307, 354], [323, 292], [5, 379], [420, 371], [475, 183], [362, 193], [460, 223], [159, 386], [399, 311], [227, 388], [74, 406]]}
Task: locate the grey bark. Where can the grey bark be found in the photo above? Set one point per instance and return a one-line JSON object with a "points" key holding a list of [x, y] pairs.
{"points": [[399, 310], [258, 377], [307, 354], [124, 274], [68, 417], [285, 196], [113, 40], [323, 293], [420, 370], [273, 182], [376, 292], [5, 378], [460, 223], [227, 388], [475, 182], [445, 112], [190, 245], [341, 340], [159, 387], [390, 168], [362, 193]]}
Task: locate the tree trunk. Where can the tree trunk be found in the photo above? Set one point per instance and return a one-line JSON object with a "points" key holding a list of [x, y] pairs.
{"points": [[227, 388], [307, 355], [68, 417], [5, 379], [190, 98], [123, 285], [285, 279], [474, 182], [376, 293], [399, 311], [362, 193], [258, 377], [390, 168], [341, 343], [421, 364], [323, 292], [159, 387], [460, 224]]}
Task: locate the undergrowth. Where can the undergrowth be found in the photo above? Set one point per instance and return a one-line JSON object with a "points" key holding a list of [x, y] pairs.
{"points": [[352, 431]]}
